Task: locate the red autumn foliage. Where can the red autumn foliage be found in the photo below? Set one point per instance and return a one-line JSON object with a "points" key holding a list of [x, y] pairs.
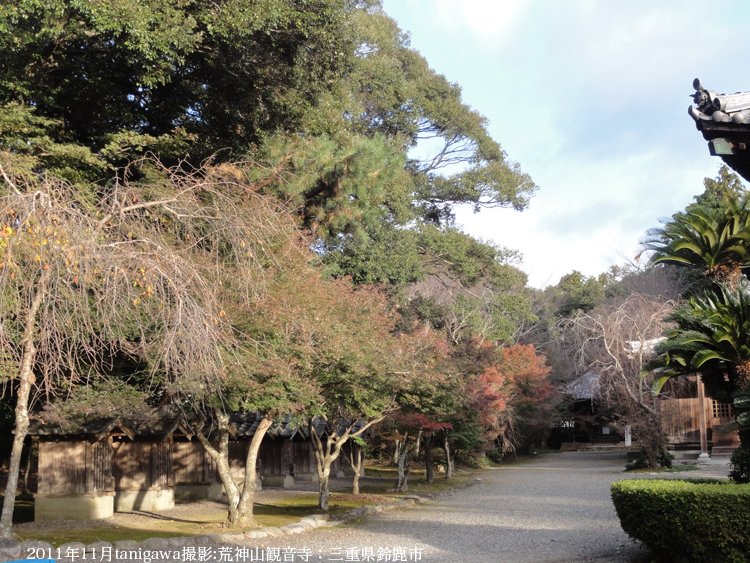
{"points": [[510, 391], [414, 422]]}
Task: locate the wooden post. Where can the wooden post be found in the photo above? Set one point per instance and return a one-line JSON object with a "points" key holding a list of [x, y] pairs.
{"points": [[287, 457], [154, 465], [90, 465], [702, 419]]}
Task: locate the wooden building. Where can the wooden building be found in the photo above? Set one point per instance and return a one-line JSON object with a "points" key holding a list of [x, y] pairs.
{"points": [[102, 467], [690, 418], [114, 465], [586, 423]]}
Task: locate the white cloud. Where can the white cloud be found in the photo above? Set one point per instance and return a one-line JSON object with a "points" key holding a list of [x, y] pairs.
{"points": [[591, 98], [488, 18]]}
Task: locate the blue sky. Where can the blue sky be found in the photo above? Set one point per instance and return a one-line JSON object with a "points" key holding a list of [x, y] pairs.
{"points": [[591, 98]]}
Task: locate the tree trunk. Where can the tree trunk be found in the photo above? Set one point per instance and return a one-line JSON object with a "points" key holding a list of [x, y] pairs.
{"points": [[448, 461], [326, 455], [403, 466], [428, 469], [221, 459], [324, 458], [27, 380], [355, 461], [395, 453], [244, 517], [324, 492]]}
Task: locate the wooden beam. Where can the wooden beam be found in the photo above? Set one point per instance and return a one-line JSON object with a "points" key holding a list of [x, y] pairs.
{"points": [[721, 147]]}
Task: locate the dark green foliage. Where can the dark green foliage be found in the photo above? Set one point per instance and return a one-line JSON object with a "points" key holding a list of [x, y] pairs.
{"points": [[710, 334], [87, 86], [466, 259], [740, 465], [684, 521], [496, 456], [396, 93], [712, 240], [579, 293], [229, 72], [719, 191], [641, 462], [466, 439], [102, 400]]}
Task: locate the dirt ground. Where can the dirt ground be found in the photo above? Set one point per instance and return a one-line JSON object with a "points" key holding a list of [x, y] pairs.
{"points": [[207, 514]]}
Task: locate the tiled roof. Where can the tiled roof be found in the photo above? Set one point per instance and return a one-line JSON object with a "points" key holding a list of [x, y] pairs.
{"points": [[724, 108], [166, 424], [161, 425], [584, 387], [724, 120]]}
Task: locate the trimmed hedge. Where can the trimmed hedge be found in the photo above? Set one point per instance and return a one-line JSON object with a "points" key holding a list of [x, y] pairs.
{"points": [[687, 521]]}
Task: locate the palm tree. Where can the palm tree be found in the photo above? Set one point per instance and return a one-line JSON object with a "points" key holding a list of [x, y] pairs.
{"points": [[716, 241], [710, 334]]}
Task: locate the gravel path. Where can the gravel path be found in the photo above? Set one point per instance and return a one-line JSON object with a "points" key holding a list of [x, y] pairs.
{"points": [[555, 509]]}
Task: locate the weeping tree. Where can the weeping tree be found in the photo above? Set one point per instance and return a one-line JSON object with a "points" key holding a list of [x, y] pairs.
{"points": [[136, 271], [617, 341]]}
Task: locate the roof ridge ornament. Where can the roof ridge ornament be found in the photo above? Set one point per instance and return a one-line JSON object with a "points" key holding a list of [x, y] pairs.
{"points": [[724, 121], [709, 102], [706, 100]]}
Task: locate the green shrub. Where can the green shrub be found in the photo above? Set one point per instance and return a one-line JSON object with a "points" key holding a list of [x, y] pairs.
{"points": [[641, 461], [495, 456], [687, 520], [666, 459], [740, 465], [637, 463]]}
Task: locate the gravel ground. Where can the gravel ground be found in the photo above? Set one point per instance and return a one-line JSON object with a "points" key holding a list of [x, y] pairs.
{"points": [[555, 509]]}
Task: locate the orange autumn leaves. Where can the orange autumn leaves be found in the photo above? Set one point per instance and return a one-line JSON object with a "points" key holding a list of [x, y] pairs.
{"points": [[513, 382]]}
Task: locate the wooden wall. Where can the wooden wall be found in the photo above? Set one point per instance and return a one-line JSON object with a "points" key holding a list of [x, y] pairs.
{"points": [[269, 457], [142, 464], [62, 468], [73, 467], [191, 464], [237, 457], [682, 420], [304, 462]]}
